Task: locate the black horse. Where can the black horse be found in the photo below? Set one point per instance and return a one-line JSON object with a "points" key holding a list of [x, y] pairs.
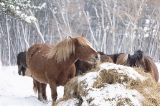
{"points": [[21, 62]]}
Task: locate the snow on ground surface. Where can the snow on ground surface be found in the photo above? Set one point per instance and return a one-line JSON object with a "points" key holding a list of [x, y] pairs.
{"points": [[17, 90]]}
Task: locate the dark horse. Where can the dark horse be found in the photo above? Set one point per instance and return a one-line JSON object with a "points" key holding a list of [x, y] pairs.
{"points": [[138, 59], [21, 62], [52, 66]]}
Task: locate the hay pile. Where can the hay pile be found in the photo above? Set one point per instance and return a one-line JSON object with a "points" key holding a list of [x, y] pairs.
{"points": [[112, 84]]}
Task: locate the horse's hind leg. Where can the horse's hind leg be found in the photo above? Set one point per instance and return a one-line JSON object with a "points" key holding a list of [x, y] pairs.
{"points": [[41, 88]]}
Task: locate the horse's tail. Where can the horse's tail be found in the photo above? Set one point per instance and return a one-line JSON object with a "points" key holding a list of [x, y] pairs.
{"points": [[136, 56]]}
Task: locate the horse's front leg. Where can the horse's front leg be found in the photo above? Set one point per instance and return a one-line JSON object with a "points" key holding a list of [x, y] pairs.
{"points": [[53, 87]]}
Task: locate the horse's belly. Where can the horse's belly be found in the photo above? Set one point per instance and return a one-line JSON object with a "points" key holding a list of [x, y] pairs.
{"points": [[39, 77], [42, 80]]}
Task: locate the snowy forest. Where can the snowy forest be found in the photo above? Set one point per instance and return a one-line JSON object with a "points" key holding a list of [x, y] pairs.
{"points": [[112, 26]]}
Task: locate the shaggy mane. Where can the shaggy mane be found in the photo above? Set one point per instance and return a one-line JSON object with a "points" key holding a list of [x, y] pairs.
{"points": [[65, 48]]}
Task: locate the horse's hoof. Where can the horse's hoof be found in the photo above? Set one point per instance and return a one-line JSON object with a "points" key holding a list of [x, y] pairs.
{"points": [[44, 101], [53, 103]]}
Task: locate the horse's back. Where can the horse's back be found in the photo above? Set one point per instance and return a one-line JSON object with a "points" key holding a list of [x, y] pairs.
{"points": [[114, 57], [37, 47], [106, 58], [121, 59], [36, 60]]}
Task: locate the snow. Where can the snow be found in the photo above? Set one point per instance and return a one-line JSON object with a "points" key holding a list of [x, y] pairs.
{"points": [[119, 92], [17, 90], [121, 69], [110, 91]]}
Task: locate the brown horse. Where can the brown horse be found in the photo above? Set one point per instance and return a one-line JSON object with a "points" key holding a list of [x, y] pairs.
{"points": [[83, 66], [41, 87], [138, 59], [37, 86], [52, 66]]}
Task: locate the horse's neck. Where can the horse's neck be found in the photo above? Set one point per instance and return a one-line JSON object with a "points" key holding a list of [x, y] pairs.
{"points": [[68, 62]]}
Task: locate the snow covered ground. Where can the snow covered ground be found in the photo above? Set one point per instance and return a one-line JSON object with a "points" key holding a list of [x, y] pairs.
{"points": [[17, 90]]}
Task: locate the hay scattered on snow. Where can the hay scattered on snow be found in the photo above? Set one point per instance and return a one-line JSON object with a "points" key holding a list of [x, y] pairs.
{"points": [[112, 85]]}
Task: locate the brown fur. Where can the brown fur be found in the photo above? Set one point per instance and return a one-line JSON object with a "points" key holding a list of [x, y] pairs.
{"points": [[144, 62], [114, 57], [106, 58], [41, 87], [48, 67]]}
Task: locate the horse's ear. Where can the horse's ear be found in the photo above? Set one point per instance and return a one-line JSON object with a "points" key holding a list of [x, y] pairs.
{"points": [[72, 38], [82, 35]]}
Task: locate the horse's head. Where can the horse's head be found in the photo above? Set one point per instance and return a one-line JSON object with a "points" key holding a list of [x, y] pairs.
{"points": [[84, 50], [137, 60]]}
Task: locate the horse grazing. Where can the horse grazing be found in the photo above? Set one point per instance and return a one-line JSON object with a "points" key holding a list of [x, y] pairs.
{"points": [[52, 66], [138, 59], [83, 66], [21, 62]]}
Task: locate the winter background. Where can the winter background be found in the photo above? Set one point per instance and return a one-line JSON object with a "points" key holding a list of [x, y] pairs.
{"points": [[17, 90], [112, 26]]}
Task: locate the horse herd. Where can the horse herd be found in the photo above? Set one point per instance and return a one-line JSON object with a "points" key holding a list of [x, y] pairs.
{"points": [[56, 65]]}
